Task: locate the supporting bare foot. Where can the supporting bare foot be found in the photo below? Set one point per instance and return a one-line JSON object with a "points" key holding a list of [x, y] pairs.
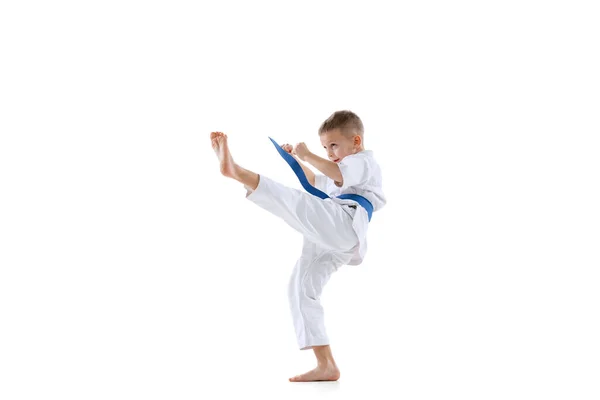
{"points": [[323, 372], [219, 145]]}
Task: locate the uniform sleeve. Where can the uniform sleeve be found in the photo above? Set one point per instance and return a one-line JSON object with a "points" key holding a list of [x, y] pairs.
{"points": [[321, 182], [355, 171]]}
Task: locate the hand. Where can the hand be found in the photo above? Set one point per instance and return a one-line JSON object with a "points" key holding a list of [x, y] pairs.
{"points": [[287, 148], [301, 151]]}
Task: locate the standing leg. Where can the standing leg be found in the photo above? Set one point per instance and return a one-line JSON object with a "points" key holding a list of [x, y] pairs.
{"points": [[311, 273]]}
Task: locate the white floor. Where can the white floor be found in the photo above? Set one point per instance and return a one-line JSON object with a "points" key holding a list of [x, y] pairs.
{"points": [[161, 339]]}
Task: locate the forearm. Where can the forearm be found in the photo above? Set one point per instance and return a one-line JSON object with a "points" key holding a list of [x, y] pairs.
{"points": [[328, 168], [307, 171]]}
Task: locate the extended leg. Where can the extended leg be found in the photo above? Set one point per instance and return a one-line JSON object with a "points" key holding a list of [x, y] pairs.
{"points": [[322, 221]]}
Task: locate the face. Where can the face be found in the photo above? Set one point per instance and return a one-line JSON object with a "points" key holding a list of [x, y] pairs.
{"points": [[339, 146]]}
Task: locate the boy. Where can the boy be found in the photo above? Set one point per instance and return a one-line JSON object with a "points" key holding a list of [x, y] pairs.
{"points": [[334, 229]]}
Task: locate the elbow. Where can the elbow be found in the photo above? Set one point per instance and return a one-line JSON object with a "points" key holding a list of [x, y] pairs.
{"points": [[338, 174]]}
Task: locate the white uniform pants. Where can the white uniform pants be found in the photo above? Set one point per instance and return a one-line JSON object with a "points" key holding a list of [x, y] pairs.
{"points": [[329, 242]]}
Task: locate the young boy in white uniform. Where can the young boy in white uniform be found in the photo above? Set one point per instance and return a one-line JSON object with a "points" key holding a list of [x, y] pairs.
{"points": [[334, 229]]}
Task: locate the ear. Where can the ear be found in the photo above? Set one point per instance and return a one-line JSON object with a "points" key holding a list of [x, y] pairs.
{"points": [[357, 141]]}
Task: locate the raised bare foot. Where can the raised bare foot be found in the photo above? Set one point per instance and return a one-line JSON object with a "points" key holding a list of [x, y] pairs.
{"points": [[329, 372], [219, 145]]}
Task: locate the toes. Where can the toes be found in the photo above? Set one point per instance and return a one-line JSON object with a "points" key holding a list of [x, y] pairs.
{"points": [[217, 135]]}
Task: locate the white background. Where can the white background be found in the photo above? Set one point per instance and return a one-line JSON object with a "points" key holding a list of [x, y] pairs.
{"points": [[129, 268]]}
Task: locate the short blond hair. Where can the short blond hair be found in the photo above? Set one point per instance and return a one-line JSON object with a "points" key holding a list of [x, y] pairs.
{"points": [[346, 121]]}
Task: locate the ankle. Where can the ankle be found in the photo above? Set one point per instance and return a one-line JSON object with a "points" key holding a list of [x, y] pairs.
{"points": [[326, 363]]}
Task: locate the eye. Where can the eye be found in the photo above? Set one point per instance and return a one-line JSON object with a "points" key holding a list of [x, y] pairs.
{"points": [[333, 144]]}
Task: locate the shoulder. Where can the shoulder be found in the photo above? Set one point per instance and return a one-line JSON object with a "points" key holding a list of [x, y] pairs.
{"points": [[363, 154], [364, 158]]}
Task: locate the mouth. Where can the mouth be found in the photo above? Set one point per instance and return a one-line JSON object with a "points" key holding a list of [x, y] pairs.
{"points": [[338, 160]]}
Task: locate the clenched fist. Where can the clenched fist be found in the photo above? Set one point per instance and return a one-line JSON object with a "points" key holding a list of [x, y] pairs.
{"points": [[301, 151]]}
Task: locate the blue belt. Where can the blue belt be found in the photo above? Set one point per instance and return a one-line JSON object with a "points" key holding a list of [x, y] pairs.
{"points": [[313, 190]]}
